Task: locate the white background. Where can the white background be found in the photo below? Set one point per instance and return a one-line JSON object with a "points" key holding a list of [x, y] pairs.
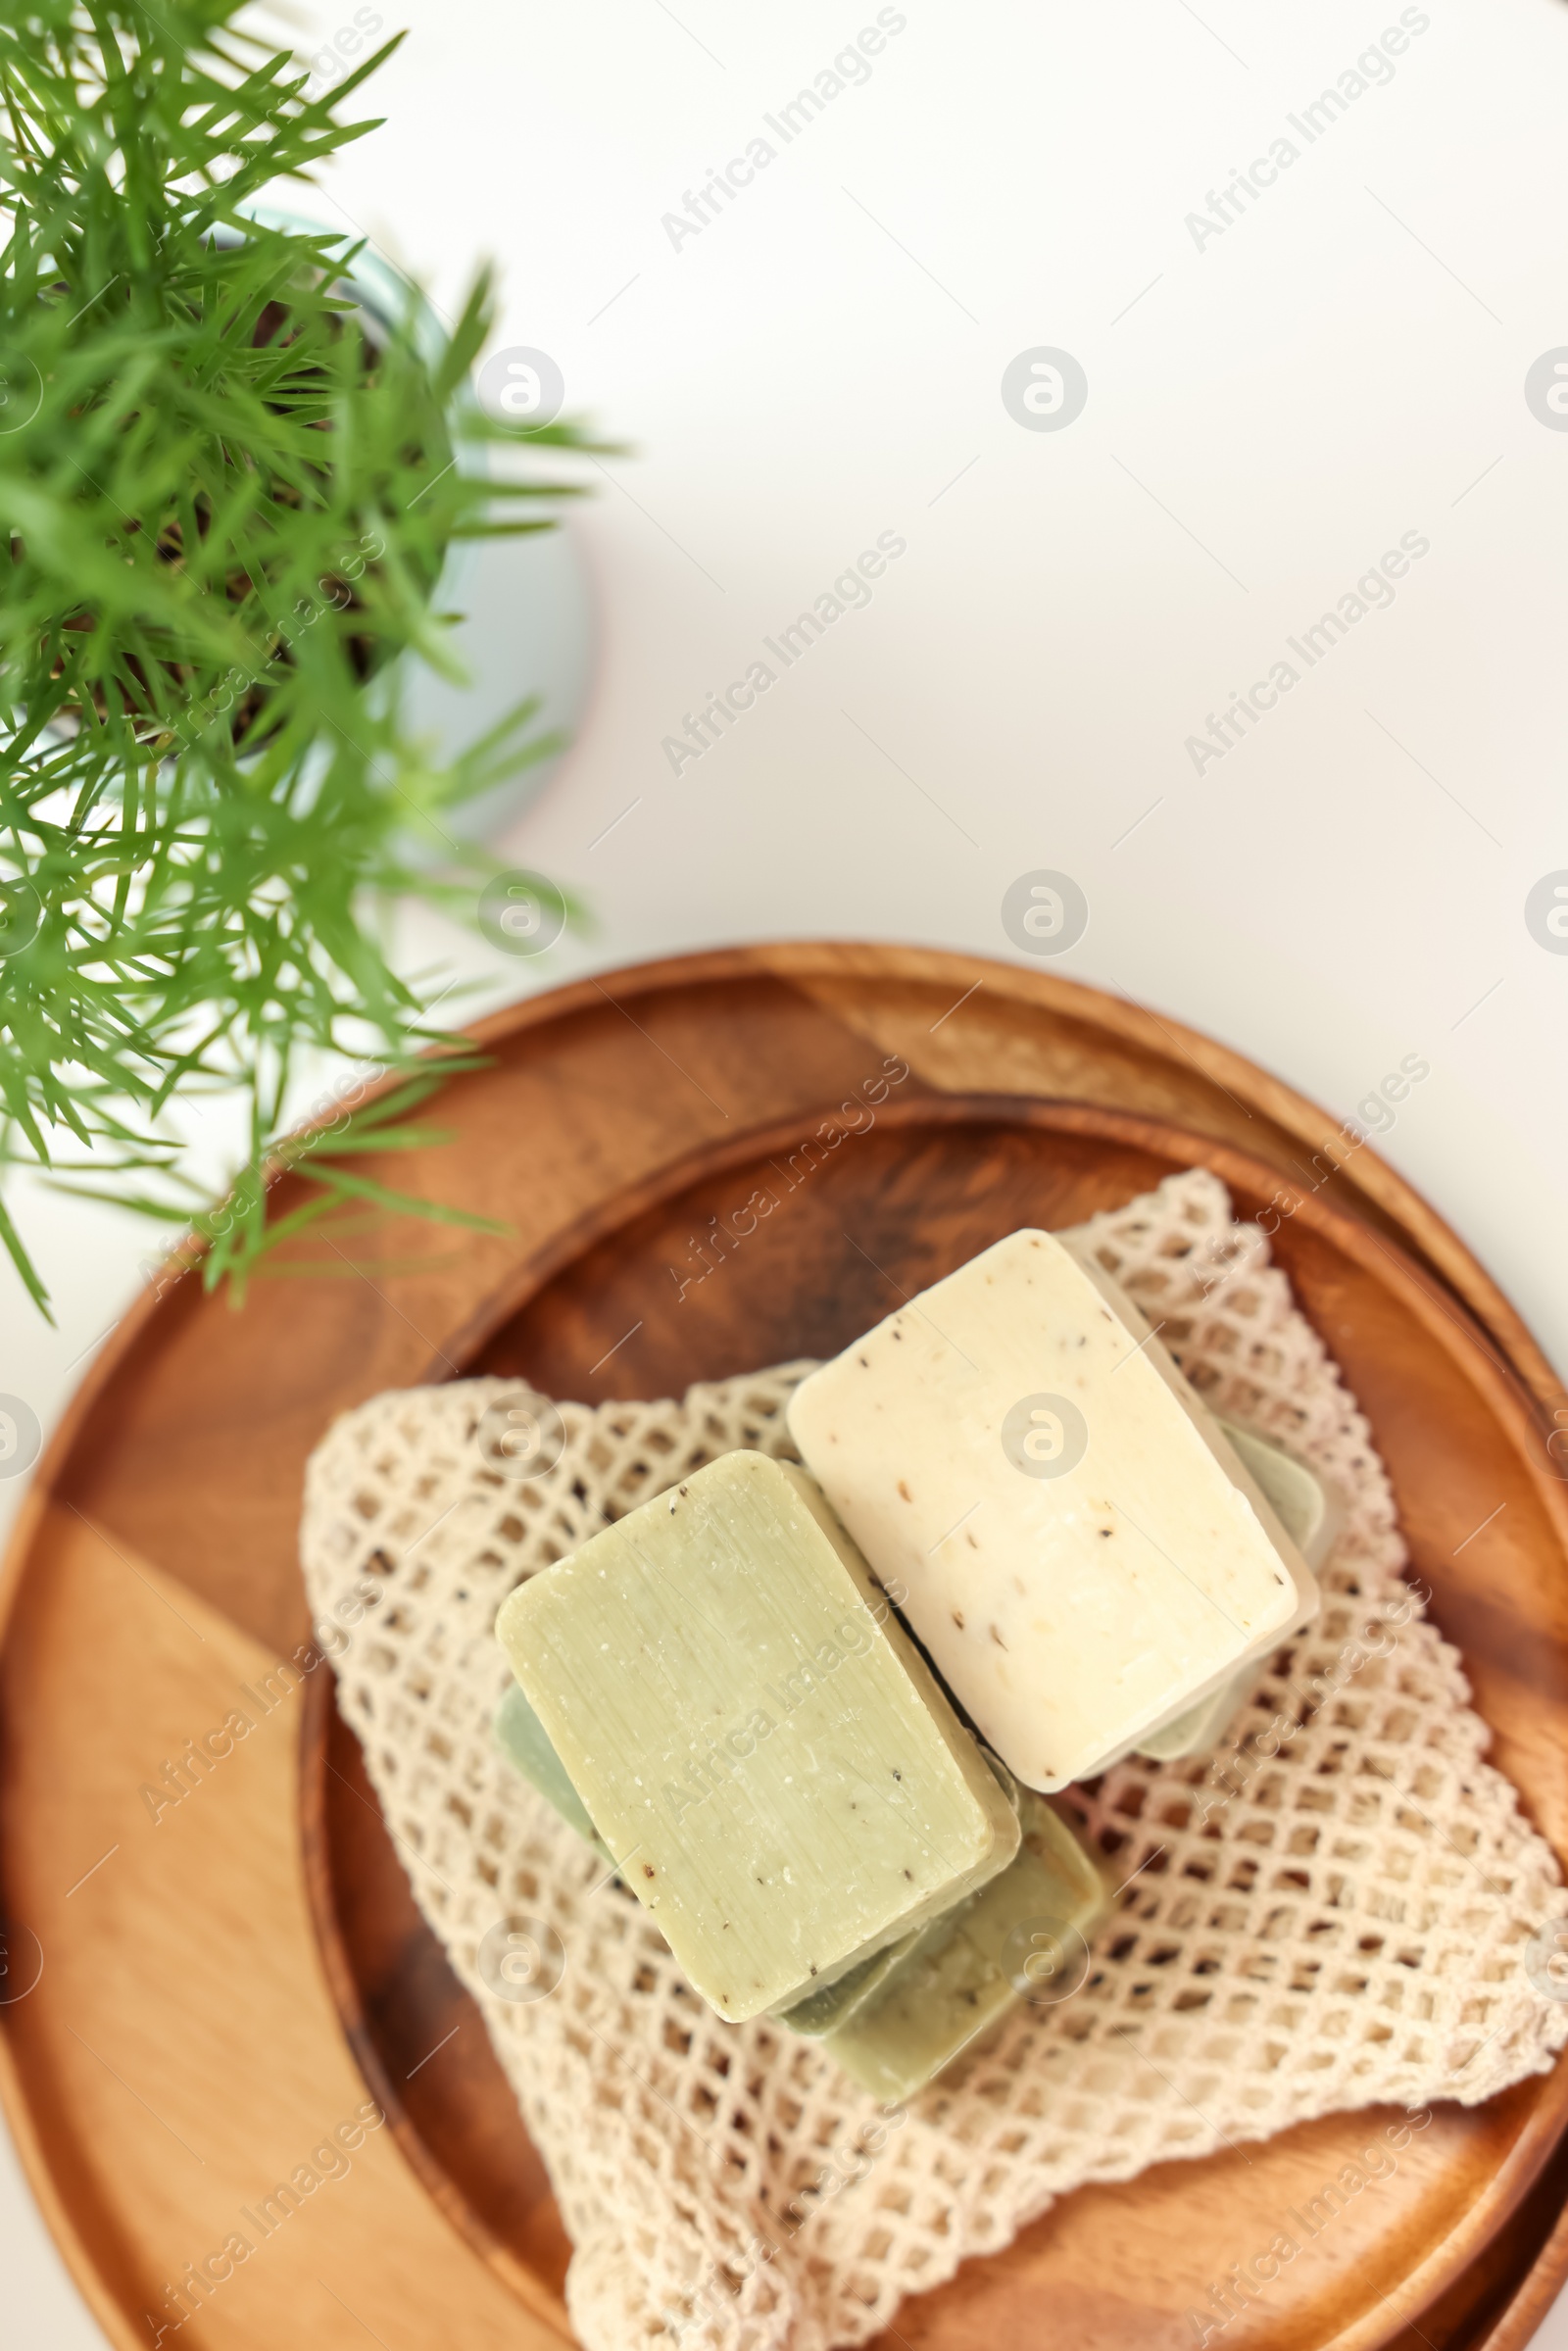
{"points": [[823, 363]]}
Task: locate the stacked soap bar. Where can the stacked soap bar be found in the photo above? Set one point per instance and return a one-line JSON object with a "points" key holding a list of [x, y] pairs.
{"points": [[894, 2020], [1023, 1936], [1296, 1497], [754, 1737], [526, 1745], [1303, 1509], [1085, 1556], [717, 1695]]}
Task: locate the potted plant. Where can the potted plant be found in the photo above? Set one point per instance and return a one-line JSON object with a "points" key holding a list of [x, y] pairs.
{"points": [[234, 466]]}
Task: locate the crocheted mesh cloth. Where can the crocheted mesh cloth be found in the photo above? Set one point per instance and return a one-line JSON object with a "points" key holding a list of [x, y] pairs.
{"points": [[1334, 1924]]}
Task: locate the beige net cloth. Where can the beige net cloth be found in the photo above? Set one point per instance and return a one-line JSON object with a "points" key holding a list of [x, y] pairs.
{"points": [[1332, 1913]]}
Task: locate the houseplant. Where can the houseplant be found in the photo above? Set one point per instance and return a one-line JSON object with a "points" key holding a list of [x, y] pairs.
{"points": [[229, 496]]}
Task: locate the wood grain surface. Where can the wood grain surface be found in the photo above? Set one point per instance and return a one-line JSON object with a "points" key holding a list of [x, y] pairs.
{"points": [[654, 1290], [181, 2052]]}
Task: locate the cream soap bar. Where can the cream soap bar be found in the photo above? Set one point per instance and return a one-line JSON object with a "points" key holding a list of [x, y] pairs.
{"points": [[1303, 1507], [1085, 1556], [1239, 1464], [785, 1786]]}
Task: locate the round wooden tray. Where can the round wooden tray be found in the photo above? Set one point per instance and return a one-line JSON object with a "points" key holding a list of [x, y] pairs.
{"points": [[891, 1209], [182, 2051]]}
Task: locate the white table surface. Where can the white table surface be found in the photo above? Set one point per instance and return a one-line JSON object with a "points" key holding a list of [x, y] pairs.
{"points": [[1270, 409]]}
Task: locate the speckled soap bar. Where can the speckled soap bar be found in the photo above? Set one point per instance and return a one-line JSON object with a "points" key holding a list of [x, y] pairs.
{"points": [[525, 1743], [1308, 1515], [1024, 1937], [784, 1786], [1084, 1554]]}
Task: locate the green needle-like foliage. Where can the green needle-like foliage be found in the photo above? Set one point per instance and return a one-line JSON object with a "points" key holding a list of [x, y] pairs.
{"points": [[226, 496]]}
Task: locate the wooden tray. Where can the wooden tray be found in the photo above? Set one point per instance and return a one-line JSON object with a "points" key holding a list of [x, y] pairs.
{"points": [[892, 1209], [182, 2052]]}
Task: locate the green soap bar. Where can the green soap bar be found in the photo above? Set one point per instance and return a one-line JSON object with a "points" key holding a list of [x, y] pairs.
{"points": [[525, 1743], [755, 1736], [823, 2012], [1027, 1928]]}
